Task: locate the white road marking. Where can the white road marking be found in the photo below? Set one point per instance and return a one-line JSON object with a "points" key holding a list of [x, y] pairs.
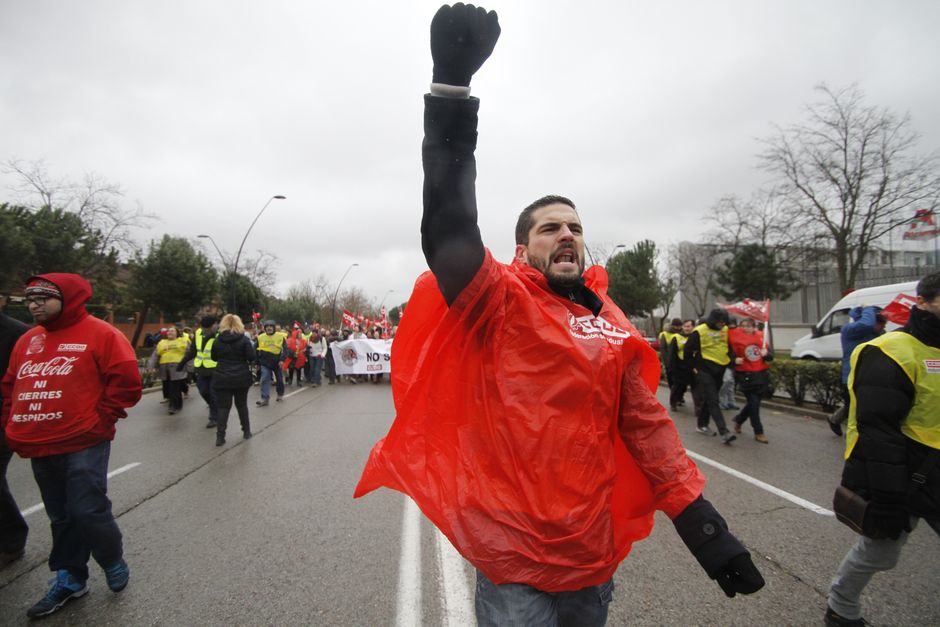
{"points": [[304, 389], [760, 484], [455, 592], [409, 568], [39, 506]]}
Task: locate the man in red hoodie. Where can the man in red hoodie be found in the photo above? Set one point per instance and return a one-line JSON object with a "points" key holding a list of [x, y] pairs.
{"points": [[70, 379]]}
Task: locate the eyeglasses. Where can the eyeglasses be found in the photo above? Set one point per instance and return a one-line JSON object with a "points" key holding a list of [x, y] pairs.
{"points": [[36, 300]]}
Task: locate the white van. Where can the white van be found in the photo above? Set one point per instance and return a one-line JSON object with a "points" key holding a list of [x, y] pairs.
{"points": [[825, 341]]}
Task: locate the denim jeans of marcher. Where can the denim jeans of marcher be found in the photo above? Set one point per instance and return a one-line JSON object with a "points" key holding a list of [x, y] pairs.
{"points": [[316, 368], [516, 604], [751, 411], [74, 488], [266, 374], [13, 528], [865, 559]]}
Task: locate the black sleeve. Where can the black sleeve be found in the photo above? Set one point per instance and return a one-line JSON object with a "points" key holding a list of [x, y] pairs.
{"points": [[450, 236], [693, 346], [884, 396], [250, 355], [190, 351]]}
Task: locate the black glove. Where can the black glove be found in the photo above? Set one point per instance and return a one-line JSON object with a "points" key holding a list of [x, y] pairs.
{"points": [[462, 38], [721, 554], [885, 520]]}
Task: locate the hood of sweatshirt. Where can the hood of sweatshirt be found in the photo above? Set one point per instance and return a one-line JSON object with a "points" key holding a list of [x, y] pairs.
{"points": [[76, 291]]}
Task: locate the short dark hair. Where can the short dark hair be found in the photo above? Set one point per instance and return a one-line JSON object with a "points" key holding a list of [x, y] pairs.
{"points": [[524, 223], [929, 287], [207, 321]]}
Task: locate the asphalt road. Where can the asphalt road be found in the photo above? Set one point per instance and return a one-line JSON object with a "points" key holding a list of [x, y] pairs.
{"points": [[265, 532]]}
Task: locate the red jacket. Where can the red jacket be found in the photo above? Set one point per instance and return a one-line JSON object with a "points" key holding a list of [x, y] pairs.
{"points": [[528, 430], [747, 346], [69, 380]]}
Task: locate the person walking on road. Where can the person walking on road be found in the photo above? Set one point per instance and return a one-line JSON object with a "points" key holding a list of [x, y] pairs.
{"points": [[867, 324], [233, 353], [751, 371], [70, 379], [13, 527], [168, 359], [681, 369], [272, 349], [199, 352], [316, 348], [892, 448], [544, 460], [709, 355]]}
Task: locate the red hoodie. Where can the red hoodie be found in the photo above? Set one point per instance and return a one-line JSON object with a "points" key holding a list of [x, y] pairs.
{"points": [[69, 380]]}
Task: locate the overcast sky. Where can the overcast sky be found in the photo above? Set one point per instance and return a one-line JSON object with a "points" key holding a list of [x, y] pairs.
{"points": [[643, 113]]}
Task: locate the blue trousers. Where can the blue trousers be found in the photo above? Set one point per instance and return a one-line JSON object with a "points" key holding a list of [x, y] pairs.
{"points": [[74, 488], [512, 604], [266, 374], [316, 367]]}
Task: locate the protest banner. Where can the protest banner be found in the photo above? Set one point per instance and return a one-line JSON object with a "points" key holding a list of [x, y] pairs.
{"points": [[362, 356]]}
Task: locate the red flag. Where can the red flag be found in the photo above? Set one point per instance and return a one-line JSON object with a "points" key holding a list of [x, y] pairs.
{"points": [[747, 308], [348, 319], [898, 310]]}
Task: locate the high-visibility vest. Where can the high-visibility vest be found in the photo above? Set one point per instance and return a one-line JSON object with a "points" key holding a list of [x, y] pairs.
{"points": [[921, 363], [271, 343], [203, 352], [172, 351], [680, 344], [714, 344], [665, 337]]}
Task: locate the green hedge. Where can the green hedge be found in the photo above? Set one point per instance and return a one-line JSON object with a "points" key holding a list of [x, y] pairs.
{"points": [[820, 378]]}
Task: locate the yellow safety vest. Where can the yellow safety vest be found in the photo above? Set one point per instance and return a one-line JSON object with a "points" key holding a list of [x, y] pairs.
{"points": [[714, 344], [271, 343], [680, 344], [172, 351], [203, 353], [921, 363], [665, 337]]}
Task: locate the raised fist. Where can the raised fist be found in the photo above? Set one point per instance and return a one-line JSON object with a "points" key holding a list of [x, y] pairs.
{"points": [[462, 38]]}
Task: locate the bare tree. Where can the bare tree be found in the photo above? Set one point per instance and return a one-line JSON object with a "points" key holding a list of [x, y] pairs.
{"points": [[695, 266], [98, 203], [849, 175]]}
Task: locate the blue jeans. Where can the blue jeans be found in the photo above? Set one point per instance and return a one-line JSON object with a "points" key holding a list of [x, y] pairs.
{"points": [[74, 488], [751, 410], [316, 368], [512, 604], [266, 373], [207, 392]]}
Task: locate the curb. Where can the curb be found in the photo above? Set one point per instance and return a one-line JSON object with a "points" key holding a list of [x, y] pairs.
{"points": [[816, 414]]}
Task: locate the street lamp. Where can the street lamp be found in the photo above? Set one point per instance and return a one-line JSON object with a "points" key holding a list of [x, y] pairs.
{"points": [[217, 249], [242, 245], [336, 294], [614, 252], [382, 302]]}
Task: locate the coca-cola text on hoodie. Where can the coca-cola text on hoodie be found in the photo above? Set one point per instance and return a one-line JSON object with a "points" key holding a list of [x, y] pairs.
{"points": [[69, 380]]}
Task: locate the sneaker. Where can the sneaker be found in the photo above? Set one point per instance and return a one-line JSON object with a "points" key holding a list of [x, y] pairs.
{"points": [[728, 437], [219, 440], [279, 399], [212, 424], [165, 401], [705, 431], [247, 434], [737, 426], [117, 576], [262, 403], [834, 620], [760, 437], [63, 587]]}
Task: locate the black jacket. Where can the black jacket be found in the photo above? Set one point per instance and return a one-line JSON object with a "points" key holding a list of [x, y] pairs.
{"points": [[233, 354], [883, 460]]}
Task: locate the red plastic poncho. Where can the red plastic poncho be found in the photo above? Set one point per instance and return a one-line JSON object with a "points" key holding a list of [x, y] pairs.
{"points": [[507, 434]]}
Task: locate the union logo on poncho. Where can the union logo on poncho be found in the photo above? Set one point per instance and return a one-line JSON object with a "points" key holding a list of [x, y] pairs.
{"points": [[591, 327]]}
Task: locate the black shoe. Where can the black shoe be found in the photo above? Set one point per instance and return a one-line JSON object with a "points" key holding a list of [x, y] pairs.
{"points": [[834, 620], [247, 434], [727, 437], [212, 424], [12, 556], [835, 427], [262, 403], [219, 440]]}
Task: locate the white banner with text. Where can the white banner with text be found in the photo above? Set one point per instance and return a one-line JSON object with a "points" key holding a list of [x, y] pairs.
{"points": [[362, 356]]}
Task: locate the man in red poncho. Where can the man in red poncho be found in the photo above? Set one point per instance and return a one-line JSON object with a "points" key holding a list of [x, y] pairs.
{"points": [[527, 428]]}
